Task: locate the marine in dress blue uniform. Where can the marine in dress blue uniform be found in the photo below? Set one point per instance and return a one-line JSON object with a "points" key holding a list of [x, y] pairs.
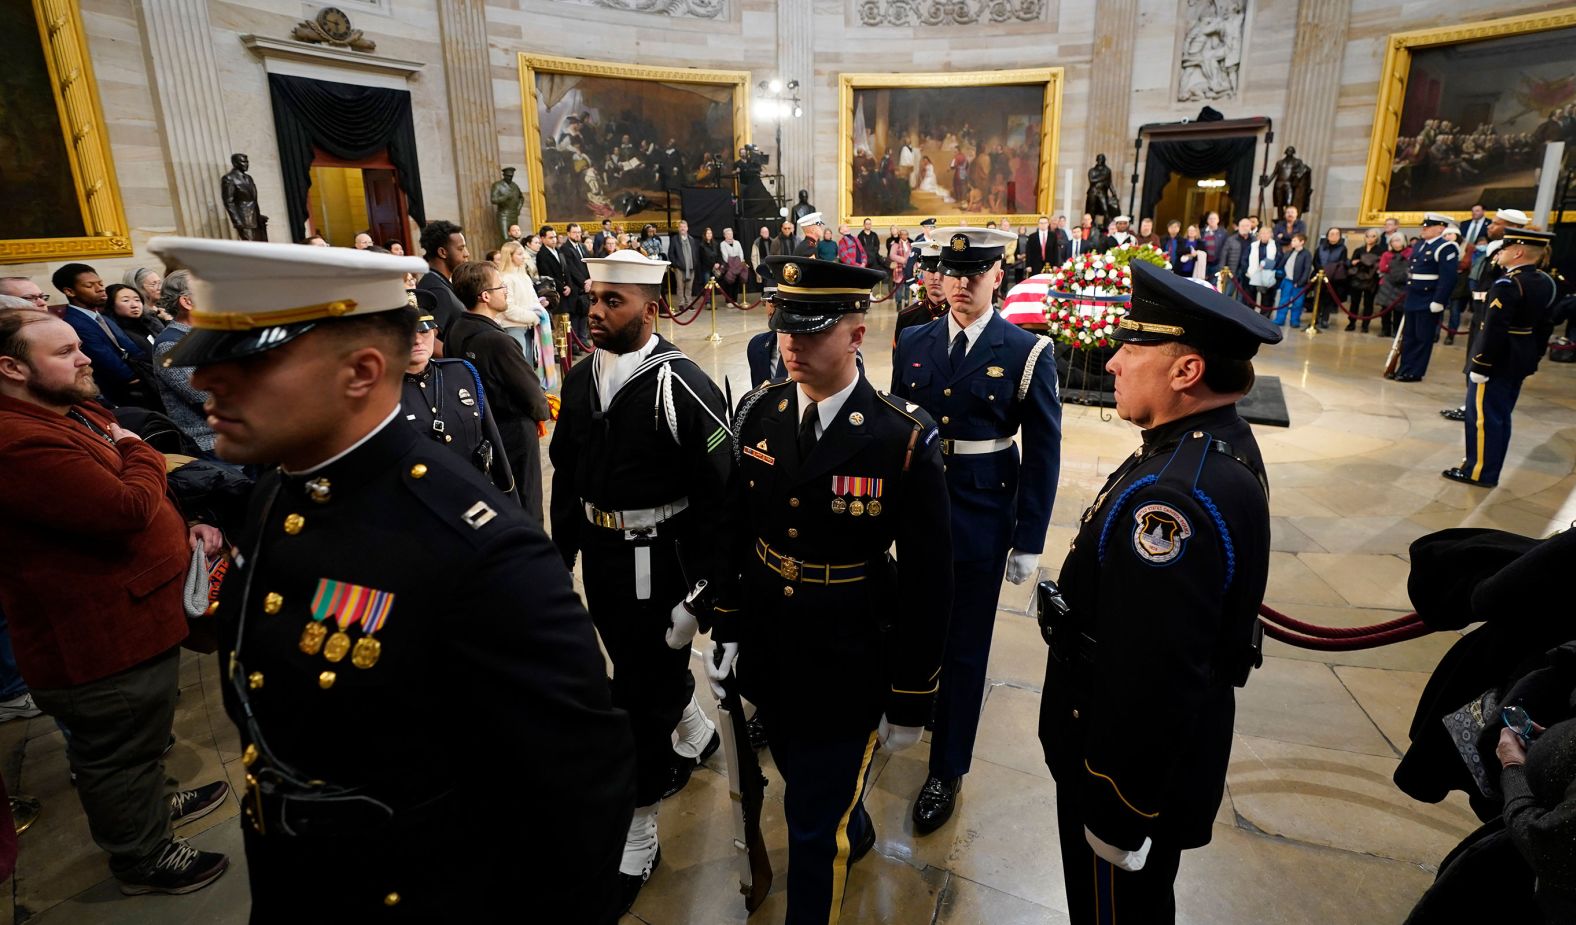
{"points": [[1161, 590], [386, 589], [985, 381], [1517, 321], [838, 643], [1432, 277]]}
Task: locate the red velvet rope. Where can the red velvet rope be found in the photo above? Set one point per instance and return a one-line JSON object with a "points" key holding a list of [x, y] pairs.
{"points": [[1335, 631], [1340, 638]]}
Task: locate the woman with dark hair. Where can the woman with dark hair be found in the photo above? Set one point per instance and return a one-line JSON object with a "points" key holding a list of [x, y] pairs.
{"points": [[147, 281], [394, 247], [1331, 257], [125, 303], [707, 258]]}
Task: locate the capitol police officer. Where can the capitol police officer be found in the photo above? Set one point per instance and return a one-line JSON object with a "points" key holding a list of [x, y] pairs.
{"points": [[1157, 613], [1432, 277], [1517, 321], [445, 401], [837, 643], [934, 303], [1485, 270], [641, 459], [403, 652], [985, 380]]}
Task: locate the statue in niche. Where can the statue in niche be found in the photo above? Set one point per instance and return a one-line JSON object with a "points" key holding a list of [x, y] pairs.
{"points": [[238, 192], [508, 200], [1101, 200], [1211, 49], [1293, 183]]}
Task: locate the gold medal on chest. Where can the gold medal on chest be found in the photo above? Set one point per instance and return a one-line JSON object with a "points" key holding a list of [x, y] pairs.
{"points": [[312, 638], [336, 647], [366, 653], [856, 508], [839, 505]]}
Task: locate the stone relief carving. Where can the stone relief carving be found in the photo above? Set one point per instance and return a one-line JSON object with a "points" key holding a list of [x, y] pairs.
{"points": [[697, 9], [332, 27], [948, 12], [1211, 49]]}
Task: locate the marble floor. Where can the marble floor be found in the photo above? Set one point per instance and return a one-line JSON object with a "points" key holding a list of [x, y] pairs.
{"points": [[1311, 830]]}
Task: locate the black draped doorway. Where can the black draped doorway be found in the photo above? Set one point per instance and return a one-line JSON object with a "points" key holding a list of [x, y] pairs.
{"points": [[1223, 149]]}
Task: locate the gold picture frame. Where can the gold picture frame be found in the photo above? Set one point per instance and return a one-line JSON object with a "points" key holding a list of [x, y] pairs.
{"points": [[532, 65], [87, 145], [1388, 108], [1050, 78]]}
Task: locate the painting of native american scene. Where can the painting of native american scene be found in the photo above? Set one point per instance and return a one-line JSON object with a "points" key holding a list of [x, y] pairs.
{"points": [[614, 147], [936, 151], [1476, 119]]}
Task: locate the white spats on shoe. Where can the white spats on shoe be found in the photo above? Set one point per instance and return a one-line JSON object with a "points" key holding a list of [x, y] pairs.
{"points": [[640, 845], [693, 732]]}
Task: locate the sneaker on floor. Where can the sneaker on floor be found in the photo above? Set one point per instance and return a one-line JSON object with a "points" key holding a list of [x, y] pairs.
{"points": [[191, 805], [21, 707], [179, 868]]}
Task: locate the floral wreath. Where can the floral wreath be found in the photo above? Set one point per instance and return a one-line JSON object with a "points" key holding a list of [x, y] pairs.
{"points": [[1090, 292]]}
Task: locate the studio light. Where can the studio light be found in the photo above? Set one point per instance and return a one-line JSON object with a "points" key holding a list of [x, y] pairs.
{"points": [[798, 111], [793, 85], [776, 86]]}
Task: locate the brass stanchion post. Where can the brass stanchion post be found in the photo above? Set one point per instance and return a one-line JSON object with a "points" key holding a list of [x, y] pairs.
{"points": [[1318, 290], [713, 337]]}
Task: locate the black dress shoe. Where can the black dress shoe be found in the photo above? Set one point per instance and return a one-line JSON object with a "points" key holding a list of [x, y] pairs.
{"points": [[1454, 414], [1458, 474], [629, 884], [934, 805], [1351, 325], [680, 770], [865, 844], [756, 730], [1400, 377]]}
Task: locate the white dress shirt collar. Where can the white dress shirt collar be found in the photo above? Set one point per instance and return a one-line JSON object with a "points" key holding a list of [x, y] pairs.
{"points": [[614, 369], [971, 334], [826, 411]]}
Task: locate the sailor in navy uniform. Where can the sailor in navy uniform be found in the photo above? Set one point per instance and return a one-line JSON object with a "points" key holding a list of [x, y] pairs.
{"points": [[1485, 270], [1517, 321], [1162, 587], [445, 401], [380, 586], [641, 462], [1435, 263], [837, 642], [934, 302], [984, 380]]}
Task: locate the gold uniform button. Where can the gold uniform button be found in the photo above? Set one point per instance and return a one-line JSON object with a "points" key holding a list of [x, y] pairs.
{"points": [[255, 680], [213, 608], [249, 757], [793, 533], [947, 392], [294, 523], [793, 502], [417, 471], [945, 419], [272, 602], [391, 900], [787, 590], [326, 680], [1075, 714], [752, 483]]}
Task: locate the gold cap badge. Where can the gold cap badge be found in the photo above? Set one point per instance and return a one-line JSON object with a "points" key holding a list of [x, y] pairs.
{"points": [[791, 273]]}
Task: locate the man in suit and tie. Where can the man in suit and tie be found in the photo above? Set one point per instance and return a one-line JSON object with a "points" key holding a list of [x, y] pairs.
{"points": [[573, 255], [682, 252], [1475, 233], [116, 356], [1042, 249]]}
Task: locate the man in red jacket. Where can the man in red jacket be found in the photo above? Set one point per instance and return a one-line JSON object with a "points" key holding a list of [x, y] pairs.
{"points": [[95, 554]]}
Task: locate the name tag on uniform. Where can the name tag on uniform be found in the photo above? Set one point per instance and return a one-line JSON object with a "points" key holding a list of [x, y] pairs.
{"points": [[757, 454]]}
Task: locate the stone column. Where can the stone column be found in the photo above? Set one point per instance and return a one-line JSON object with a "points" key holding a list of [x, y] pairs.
{"points": [[1110, 94], [796, 61], [1314, 87], [471, 119], [191, 112]]}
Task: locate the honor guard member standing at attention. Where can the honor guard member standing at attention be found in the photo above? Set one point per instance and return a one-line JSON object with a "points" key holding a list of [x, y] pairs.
{"points": [[1157, 614], [444, 400], [1432, 277], [837, 643], [934, 303], [985, 380], [1485, 270], [1517, 319], [382, 585], [641, 462]]}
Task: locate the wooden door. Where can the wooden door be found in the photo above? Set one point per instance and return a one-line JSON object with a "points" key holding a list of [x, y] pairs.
{"points": [[385, 207]]}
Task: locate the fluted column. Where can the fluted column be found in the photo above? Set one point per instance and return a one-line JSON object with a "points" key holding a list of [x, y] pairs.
{"points": [[463, 24], [186, 90], [796, 60], [1314, 88], [1111, 89]]}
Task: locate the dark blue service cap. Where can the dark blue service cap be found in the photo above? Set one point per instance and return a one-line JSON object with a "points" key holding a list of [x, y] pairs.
{"points": [[1170, 308], [1528, 237], [812, 295]]}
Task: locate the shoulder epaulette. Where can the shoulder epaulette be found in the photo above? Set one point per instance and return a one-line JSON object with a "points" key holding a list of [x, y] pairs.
{"points": [[740, 416], [906, 409]]}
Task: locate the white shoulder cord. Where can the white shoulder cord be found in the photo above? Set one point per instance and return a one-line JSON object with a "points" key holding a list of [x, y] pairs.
{"points": [[1028, 366]]}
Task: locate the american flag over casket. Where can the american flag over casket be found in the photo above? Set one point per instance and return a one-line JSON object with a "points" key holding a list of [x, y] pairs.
{"points": [[1025, 302]]}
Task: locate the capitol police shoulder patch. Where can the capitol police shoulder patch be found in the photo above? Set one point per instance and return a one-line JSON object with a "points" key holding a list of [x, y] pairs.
{"points": [[1160, 533]]}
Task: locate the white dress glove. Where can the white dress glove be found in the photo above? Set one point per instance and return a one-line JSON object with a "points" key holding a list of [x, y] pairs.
{"points": [[718, 668], [683, 628], [1436, 307], [896, 738], [1127, 860], [1477, 378], [1021, 566]]}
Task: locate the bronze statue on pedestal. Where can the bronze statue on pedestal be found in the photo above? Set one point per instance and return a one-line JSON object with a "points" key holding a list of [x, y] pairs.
{"points": [[238, 191]]}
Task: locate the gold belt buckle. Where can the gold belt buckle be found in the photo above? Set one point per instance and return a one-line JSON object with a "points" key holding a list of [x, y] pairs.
{"points": [[606, 519], [788, 567], [946, 446]]}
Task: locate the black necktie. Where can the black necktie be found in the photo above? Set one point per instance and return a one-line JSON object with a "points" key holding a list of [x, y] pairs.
{"points": [[960, 349], [807, 431]]}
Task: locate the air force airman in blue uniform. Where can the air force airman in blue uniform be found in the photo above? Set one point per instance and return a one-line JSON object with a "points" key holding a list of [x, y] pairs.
{"points": [[1435, 263], [983, 380]]}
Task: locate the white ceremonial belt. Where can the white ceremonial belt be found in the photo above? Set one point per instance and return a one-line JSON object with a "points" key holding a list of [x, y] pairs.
{"points": [[974, 447], [1480, 296], [1419, 277], [643, 519]]}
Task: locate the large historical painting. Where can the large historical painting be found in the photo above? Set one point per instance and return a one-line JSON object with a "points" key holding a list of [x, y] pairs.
{"points": [[58, 188], [614, 141], [1466, 112], [951, 146]]}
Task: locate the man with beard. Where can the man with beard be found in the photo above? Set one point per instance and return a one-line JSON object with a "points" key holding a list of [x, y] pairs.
{"points": [[641, 467], [381, 586]]}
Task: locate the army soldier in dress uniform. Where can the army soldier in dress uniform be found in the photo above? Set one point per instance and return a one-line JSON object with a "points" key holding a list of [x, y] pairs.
{"points": [[934, 304], [1435, 263], [397, 642], [1484, 272], [1517, 321], [1162, 588], [838, 644], [641, 462], [445, 401], [985, 380]]}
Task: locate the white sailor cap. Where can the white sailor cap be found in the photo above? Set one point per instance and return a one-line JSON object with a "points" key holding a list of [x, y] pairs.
{"points": [[814, 218], [1123, 218], [626, 267], [1435, 218], [1512, 217], [252, 296]]}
